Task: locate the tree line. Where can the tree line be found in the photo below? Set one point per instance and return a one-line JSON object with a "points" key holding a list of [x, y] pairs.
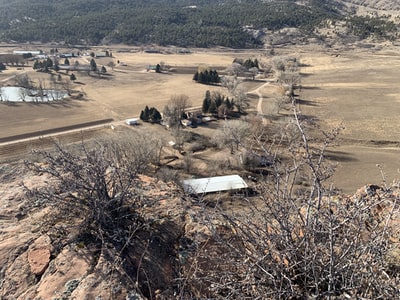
{"points": [[207, 77]]}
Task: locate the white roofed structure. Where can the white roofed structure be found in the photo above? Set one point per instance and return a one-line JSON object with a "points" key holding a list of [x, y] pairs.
{"points": [[214, 184], [133, 121]]}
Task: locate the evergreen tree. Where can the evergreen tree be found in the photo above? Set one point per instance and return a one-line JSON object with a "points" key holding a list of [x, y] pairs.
{"points": [[155, 115], [72, 77], [150, 115], [228, 103], [93, 65], [218, 100], [143, 116], [35, 65], [212, 108], [66, 62], [205, 106], [206, 102], [200, 77], [49, 63], [256, 63], [207, 77]]}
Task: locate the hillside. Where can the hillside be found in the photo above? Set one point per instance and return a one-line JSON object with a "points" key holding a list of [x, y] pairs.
{"points": [[174, 246], [376, 4], [230, 23]]}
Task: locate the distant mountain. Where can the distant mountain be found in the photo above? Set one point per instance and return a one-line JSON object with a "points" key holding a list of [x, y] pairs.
{"points": [[201, 23]]}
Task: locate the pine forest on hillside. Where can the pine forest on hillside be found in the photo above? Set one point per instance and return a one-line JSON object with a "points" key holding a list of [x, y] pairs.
{"points": [[236, 24]]}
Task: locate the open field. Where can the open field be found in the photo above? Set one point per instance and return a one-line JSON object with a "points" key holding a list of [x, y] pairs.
{"points": [[357, 89], [360, 91]]}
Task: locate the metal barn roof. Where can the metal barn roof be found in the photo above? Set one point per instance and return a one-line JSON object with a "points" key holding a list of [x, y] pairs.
{"points": [[214, 184]]}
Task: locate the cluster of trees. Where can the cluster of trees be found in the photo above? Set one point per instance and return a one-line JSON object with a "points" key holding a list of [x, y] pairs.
{"points": [[161, 22], [365, 26], [43, 65], [150, 115], [216, 103], [207, 77], [248, 63]]}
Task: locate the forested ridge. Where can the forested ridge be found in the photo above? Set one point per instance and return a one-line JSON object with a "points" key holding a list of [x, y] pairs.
{"points": [[182, 23]]}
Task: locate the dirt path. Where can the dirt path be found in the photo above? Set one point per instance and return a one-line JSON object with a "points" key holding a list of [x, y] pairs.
{"points": [[263, 107]]}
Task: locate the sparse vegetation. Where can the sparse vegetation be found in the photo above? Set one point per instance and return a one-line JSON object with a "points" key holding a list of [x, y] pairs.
{"points": [[117, 203], [96, 182]]}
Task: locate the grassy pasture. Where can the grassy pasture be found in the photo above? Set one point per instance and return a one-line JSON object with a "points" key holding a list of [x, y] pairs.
{"points": [[357, 89]]}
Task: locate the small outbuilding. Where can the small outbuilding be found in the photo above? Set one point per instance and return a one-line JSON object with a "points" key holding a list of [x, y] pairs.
{"points": [[186, 122], [133, 121], [214, 184]]}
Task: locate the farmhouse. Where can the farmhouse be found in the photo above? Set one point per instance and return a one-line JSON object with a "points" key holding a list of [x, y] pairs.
{"points": [[214, 184]]}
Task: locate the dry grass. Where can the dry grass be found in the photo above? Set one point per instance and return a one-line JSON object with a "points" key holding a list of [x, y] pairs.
{"points": [[358, 89]]}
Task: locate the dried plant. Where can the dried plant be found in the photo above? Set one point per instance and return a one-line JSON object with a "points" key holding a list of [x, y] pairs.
{"points": [[293, 242]]}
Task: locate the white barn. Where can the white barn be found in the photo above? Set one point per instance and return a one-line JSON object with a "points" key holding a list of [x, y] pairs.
{"points": [[214, 184]]}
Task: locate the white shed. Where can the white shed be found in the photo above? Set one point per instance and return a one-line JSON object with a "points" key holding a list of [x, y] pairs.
{"points": [[133, 121], [214, 184]]}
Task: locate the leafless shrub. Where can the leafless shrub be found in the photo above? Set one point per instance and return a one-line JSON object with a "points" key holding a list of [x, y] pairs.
{"points": [[166, 174], [23, 80], [95, 181], [96, 191], [175, 108], [188, 162], [232, 134], [236, 69], [289, 81], [230, 82], [292, 243]]}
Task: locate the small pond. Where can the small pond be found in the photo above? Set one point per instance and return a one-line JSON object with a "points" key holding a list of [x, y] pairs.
{"points": [[20, 94]]}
